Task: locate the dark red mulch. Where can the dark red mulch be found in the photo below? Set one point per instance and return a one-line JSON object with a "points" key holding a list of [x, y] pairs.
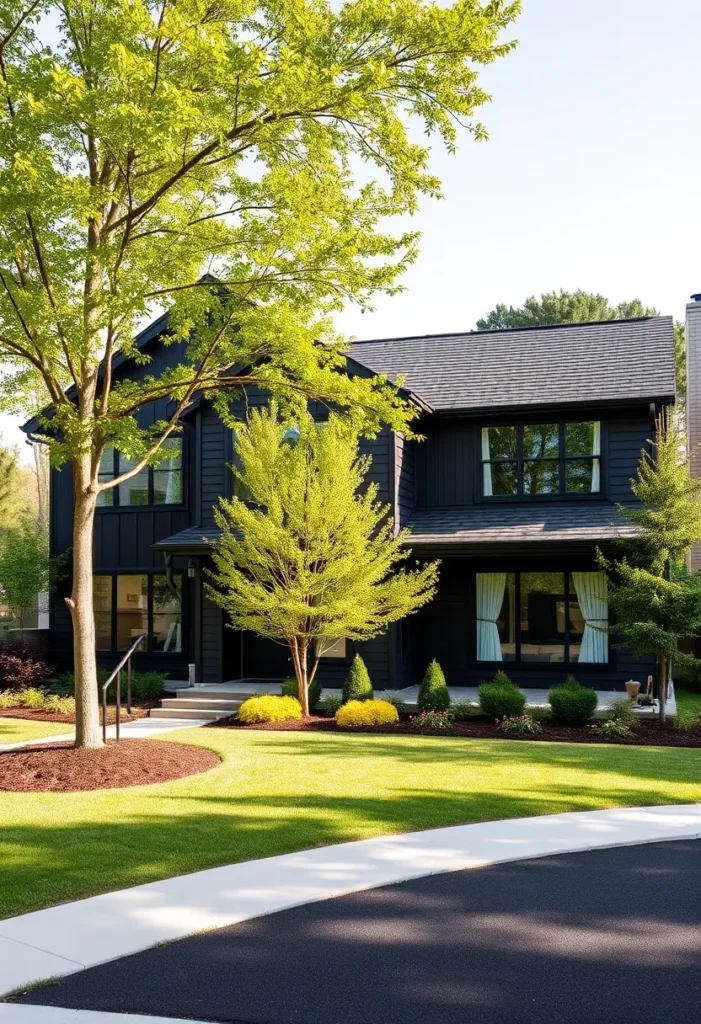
{"points": [[58, 768], [69, 719], [647, 734]]}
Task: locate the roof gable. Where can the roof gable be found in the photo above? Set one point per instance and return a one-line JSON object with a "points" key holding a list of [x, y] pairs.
{"points": [[567, 364]]}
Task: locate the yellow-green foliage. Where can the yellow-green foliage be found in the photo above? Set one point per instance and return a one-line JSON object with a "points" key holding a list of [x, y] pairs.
{"points": [[35, 699], [366, 712], [269, 708]]}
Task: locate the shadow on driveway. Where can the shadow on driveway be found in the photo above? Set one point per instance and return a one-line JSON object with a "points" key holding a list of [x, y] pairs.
{"points": [[612, 935]]}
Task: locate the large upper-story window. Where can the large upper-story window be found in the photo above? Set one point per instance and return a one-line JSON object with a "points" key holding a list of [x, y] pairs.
{"points": [[159, 485], [541, 458]]}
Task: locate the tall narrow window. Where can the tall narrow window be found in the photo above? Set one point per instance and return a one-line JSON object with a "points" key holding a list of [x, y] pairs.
{"points": [[102, 605], [496, 626], [541, 459], [167, 615], [168, 475], [132, 609], [583, 457], [499, 460], [105, 473]]}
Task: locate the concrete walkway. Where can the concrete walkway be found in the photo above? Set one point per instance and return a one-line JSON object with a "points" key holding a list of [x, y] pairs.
{"points": [[65, 939], [142, 728], [14, 1014]]}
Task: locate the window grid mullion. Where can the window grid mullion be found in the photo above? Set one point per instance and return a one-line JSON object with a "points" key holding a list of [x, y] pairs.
{"points": [[567, 618], [517, 615]]}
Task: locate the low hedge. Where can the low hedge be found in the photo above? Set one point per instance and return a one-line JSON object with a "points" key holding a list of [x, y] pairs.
{"points": [[269, 708], [500, 698], [366, 712], [572, 703]]}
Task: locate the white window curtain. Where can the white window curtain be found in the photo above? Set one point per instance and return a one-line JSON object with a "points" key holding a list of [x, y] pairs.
{"points": [[173, 467], [490, 596], [486, 465], [596, 464], [592, 593]]}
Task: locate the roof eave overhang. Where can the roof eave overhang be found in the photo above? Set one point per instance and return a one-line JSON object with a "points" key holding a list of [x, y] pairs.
{"points": [[528, 408]]}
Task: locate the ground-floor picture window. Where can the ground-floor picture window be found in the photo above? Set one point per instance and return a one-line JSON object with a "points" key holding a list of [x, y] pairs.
{"points": [[138, 604], [542, 617]]}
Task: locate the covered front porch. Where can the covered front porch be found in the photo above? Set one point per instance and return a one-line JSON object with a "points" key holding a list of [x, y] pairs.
{"points": [[219, 700]]}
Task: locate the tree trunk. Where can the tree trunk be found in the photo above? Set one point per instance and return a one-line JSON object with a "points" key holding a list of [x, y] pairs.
{"points": [[88, 734], [299, 658], [663, 668]]}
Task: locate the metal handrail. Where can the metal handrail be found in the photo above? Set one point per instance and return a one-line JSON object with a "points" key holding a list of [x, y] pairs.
{"points": [[117, 674]]}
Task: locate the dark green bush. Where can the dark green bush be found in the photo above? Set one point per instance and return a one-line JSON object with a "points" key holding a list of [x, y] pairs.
{"points": [[357, 685], [572, 703], [501, 698], [433, 692], [144, 685], [290, 689]]}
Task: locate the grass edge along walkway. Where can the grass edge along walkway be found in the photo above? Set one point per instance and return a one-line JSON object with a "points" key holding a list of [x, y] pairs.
{"points": [[277, 792], [22, 730]]}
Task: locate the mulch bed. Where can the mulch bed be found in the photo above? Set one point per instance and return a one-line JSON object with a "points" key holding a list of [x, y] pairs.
{"points": [[647, 734], [59, 768], [69, 719]]}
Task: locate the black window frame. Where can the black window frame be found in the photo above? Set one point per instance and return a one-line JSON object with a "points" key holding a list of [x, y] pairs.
{"points": [[562, 459], [536, 666], [148, 647], [150, 505]]}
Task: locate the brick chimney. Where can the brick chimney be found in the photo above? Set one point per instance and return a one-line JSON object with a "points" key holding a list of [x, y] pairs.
{"points": [[693, 399]]}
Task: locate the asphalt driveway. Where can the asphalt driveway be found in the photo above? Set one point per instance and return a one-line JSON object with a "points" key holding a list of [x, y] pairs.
{"points": [[612, 935]]}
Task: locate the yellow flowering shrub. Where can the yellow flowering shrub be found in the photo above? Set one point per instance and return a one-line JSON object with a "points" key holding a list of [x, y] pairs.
{"points": [[366, 712], [269, 708]]}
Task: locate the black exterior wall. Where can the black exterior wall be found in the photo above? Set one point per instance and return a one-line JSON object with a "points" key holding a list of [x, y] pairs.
{"points": [[442, 471]]}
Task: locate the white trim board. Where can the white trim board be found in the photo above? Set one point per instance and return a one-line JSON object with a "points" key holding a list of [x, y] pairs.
{"points": [[64, 939]]}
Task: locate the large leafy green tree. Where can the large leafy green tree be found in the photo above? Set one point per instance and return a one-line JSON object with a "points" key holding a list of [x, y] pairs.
{"points": [[580, 307], [310, 557], [143, 142], [560, 308], [655, 599]]}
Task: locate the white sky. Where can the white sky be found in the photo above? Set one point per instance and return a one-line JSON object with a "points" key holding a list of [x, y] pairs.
{"points": [[591, 177]]}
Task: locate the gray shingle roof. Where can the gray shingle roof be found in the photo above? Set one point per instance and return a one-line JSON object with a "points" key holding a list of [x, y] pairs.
{"points": [[489, 524], [194, 538], [566, 364]]}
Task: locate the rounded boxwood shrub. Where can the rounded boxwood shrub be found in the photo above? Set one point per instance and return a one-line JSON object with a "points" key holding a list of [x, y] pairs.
{"points": [[290, 689], [366, 712], [572, 703], [500, 698], [357, 685], [433, 692], [269, 708]]}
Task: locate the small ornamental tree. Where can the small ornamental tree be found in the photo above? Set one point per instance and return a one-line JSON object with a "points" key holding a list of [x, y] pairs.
{"points": [[434, 694], [357, 684], [146, 144], [310, 557], [656, 601], [25, 568]]}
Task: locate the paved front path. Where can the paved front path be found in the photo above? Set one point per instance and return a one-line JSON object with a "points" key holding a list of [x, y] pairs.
{"points": [[55, 1015], [73, 936], [141, 728], [608, 935]]}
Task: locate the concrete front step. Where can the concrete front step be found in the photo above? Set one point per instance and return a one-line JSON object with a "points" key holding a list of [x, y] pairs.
{"points": [[198, 714], [205, 703]]}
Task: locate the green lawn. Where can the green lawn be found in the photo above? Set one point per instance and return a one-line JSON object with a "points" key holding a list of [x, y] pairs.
{"points": [[687, 701], [276, 792], [19, 730]]}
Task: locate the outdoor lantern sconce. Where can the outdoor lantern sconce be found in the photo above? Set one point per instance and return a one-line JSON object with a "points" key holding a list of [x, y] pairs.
{"points": [[191, 569]]}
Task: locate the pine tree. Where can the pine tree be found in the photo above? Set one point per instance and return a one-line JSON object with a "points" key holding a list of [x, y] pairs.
{"points": [[656, 601], [433, 692], [357, 685], [311, 556]]}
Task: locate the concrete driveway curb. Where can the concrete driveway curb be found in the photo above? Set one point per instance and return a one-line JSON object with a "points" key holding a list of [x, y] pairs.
{"points": [[11, 1014], [73, 936]]}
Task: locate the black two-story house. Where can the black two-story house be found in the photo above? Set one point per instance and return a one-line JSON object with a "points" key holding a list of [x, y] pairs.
{"points": [[531, 439]]}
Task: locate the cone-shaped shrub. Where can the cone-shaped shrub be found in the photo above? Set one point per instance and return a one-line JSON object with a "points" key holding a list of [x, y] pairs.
{"points": [[357, 685], [433, 692]]}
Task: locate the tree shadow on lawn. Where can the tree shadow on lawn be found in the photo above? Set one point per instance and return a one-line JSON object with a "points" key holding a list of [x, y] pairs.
{"points": [[44, 864], [667, 764]]}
